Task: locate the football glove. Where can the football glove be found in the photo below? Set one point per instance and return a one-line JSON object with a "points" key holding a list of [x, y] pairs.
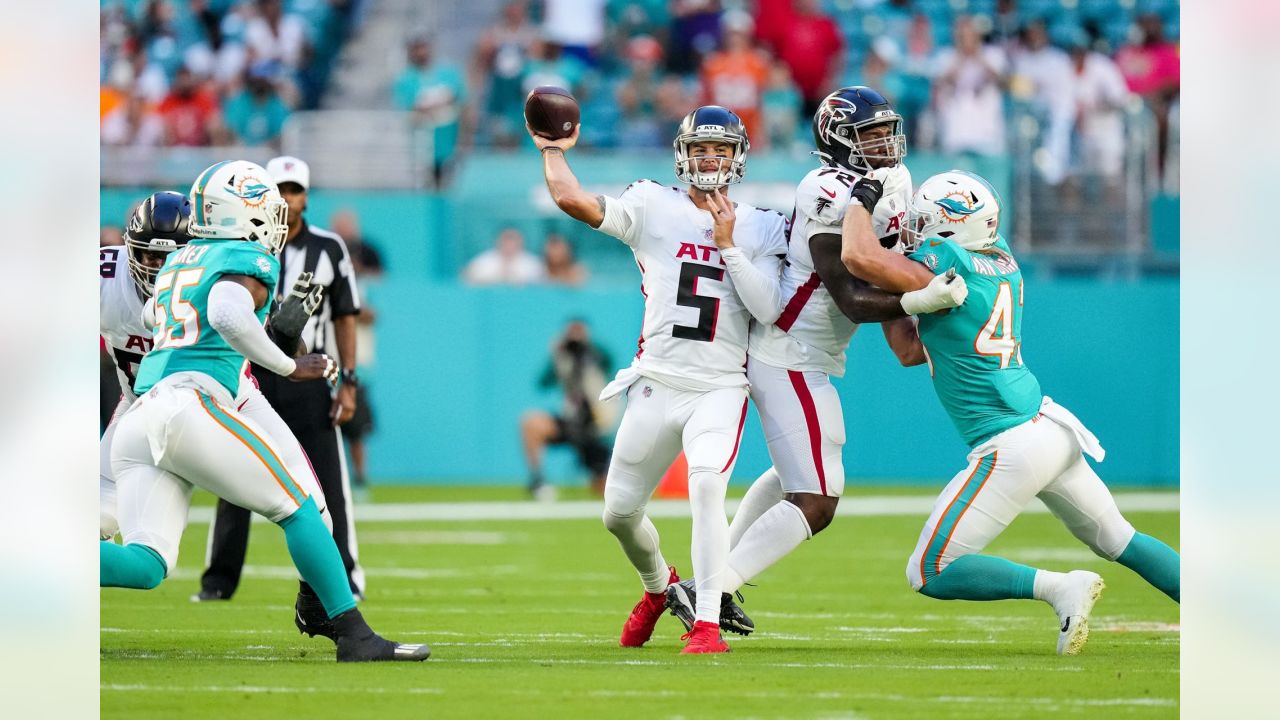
{"points": [[287, 321], [868, 191]]}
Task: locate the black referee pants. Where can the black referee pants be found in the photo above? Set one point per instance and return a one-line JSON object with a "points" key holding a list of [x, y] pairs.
{"points": [[304, 407]]}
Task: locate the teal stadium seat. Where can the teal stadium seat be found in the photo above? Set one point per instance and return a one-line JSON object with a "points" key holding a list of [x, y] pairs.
{"points": [[1047, 10], [1102, 10]]}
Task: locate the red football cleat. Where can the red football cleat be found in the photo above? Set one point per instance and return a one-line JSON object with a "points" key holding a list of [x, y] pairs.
{"points": [[644, 616], [704, 638]]}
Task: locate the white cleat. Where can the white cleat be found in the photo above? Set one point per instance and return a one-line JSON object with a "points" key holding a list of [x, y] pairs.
{"points": [[1073, 605]]}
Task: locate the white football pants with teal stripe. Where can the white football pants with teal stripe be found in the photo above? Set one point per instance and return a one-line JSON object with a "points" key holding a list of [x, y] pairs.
{"points": [[252, 405], [182, 433], [1039, 458]]}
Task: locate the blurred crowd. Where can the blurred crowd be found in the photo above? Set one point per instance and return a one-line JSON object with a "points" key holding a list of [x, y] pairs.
{"points": [[956, 69], [214, 72]]}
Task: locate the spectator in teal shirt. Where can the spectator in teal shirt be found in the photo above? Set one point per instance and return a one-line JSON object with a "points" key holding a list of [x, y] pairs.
{"points": [[257, 114], [435, 93]]}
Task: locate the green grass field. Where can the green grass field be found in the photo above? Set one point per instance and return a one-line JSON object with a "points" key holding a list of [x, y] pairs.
{"points": [[523, 618]]}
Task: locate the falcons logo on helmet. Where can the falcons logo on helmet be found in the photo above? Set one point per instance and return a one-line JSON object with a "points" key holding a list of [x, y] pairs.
{"points": [[833, 109]]}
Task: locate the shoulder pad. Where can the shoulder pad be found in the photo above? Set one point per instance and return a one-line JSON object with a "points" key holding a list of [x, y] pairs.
{"points": [[642, 186], [824, 194]]}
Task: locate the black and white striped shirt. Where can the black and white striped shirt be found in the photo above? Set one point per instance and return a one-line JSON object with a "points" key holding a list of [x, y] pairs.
{"points": [[325, 254]]}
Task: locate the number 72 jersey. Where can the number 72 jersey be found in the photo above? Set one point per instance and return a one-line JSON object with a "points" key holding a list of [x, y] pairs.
{"points": [[695, 328]]}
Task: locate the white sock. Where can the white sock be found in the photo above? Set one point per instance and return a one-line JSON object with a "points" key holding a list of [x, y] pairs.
{"points": [[767, 541], [639, 540], [1047, 585], [764, 493], [710, 542]]}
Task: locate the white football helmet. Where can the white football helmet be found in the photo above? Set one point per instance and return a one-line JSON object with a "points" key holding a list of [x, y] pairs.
{"points": [[956, 205], [237, 200]]}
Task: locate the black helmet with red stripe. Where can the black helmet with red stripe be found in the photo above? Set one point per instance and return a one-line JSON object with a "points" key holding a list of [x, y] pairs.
{"points": [[857, 129]]}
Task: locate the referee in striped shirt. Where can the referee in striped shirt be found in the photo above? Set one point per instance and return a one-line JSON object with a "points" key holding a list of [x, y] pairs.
{"points": [[311, 409]]}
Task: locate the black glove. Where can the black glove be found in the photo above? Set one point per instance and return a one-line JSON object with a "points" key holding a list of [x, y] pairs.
{"points": [[287, 321], [867, 191]]}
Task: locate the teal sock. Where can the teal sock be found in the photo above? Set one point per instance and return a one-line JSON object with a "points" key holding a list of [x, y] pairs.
{"points": [[316, 557], [982, 577], [1156, 562], [130, 566]]}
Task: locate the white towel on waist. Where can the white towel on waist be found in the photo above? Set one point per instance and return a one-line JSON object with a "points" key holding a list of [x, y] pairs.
{"points": [[1088, 442], [623, 380]]}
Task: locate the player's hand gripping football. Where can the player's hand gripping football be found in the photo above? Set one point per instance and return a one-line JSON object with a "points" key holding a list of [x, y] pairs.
{"points": [[942, 293], [722, 214], [563, 143], [314, 366]]}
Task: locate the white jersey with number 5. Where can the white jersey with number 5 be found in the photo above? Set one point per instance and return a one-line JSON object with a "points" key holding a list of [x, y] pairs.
{"points": [[812, 333], [696, 327], [120, 316]]}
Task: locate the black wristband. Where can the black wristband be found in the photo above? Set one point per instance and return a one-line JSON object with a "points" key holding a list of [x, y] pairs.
{"points": [[868, 192], [552, 147], [349, 377]]}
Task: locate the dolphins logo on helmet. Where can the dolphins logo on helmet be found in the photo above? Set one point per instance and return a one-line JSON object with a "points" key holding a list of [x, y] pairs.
{"points": [[237, 200]]}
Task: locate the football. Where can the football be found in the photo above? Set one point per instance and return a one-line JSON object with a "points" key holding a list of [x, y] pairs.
{"points": [[551, 112]]}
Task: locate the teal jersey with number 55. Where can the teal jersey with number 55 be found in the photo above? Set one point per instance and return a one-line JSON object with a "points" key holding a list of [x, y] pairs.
{"points": [[975, 350], [184, 340]]}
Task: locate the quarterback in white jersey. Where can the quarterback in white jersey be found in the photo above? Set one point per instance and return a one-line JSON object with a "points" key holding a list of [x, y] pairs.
{"points": [[857, 133], [708, 268]]}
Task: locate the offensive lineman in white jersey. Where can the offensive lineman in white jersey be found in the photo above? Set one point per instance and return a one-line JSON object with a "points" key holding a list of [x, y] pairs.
{"points": [[708, 267], [856, 131], [158, 226]]}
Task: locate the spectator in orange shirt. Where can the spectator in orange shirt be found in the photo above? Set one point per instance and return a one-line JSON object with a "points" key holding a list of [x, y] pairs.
{"points": [[735, 76]]}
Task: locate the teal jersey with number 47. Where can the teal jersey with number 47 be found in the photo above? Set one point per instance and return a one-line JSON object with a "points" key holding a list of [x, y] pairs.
{"points": [[184, 340], [975, 350]]}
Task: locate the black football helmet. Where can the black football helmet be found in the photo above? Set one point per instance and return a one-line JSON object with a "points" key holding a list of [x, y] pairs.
{"points": [[157, 227], [711, 123], [843, 116]]}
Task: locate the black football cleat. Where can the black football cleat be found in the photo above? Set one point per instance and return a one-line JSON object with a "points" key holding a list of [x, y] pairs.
{"points": [[682, 601], [357, 642], [310, 617]]}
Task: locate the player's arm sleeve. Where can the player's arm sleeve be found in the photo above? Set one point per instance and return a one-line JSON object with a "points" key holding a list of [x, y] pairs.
{"points": [[231, 315], [859, 302], [756, 281], [344, 297], [757, 277]]}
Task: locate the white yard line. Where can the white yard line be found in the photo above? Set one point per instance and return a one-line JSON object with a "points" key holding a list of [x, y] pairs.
{"points": [[256, 689], [870, 505]]}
